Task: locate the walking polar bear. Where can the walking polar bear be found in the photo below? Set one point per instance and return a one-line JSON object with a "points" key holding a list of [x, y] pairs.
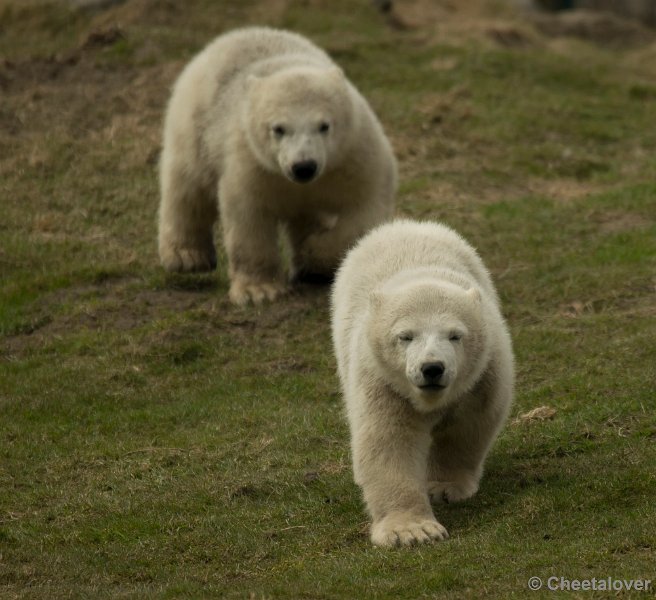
{"points": [[264, 121], [426, 367]]}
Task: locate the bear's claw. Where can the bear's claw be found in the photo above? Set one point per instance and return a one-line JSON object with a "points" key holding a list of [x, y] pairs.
{"points": [[451, 491], [242, 293], [189, 260], [408, 531]]}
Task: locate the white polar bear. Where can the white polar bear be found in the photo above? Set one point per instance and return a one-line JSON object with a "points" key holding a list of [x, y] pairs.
{"points": [[266, 122], [426, 367]]}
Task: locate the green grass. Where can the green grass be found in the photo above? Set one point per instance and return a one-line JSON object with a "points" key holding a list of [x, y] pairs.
{"points": [[158, 443]]}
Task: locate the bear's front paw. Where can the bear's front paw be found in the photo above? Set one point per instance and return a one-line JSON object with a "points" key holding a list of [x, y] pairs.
{"points": [[452, 491], [242, 292], [406, 530], [188, 260]]}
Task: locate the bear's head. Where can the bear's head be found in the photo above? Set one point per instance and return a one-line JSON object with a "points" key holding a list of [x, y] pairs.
{"points": [[298, 121], [429, 340]]}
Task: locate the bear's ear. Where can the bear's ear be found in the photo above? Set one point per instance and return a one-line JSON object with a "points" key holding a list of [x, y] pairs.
{"points": [[474, 294]]}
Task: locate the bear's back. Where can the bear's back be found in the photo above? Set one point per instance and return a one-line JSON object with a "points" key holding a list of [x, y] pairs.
{"points": [[405, 244], [238, 52]]}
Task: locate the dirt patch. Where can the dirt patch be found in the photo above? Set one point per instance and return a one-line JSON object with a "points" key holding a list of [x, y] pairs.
{"points": [[507, 24], [120, 304], [616, 221], [597, 27], [135, 12], [74, 99], [644, 59], [113, 304], [565, 191], [452, 105], [85, 92]]}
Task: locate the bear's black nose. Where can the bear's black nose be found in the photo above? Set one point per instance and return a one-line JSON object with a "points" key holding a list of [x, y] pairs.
{"points": [[304, 171], [432, 371]]}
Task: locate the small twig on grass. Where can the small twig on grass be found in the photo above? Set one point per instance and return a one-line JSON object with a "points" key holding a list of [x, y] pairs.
{"points": [[11, 517], [155, 449], [293, 527], [541, 413]]}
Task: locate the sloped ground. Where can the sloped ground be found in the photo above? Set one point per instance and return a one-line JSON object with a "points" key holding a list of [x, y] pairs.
{"points": [[158, 442]]}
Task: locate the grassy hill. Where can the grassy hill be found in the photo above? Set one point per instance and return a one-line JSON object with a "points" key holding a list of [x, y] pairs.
{"points": [[156, 442]]}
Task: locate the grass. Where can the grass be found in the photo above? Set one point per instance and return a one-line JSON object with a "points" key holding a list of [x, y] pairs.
{"points": [[158, 443]]}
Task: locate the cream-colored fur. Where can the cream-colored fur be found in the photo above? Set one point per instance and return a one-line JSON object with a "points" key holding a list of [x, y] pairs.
{"points": [[246, 116], [426, 366]]}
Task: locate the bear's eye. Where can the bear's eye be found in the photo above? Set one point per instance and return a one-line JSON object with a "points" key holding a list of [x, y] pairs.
{"points": [[455, 336], [406, 336], [324, 127], [278, 131]]}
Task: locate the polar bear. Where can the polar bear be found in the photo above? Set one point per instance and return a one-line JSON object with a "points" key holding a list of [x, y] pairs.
{"points": [[426, 367], [265, 130]]}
